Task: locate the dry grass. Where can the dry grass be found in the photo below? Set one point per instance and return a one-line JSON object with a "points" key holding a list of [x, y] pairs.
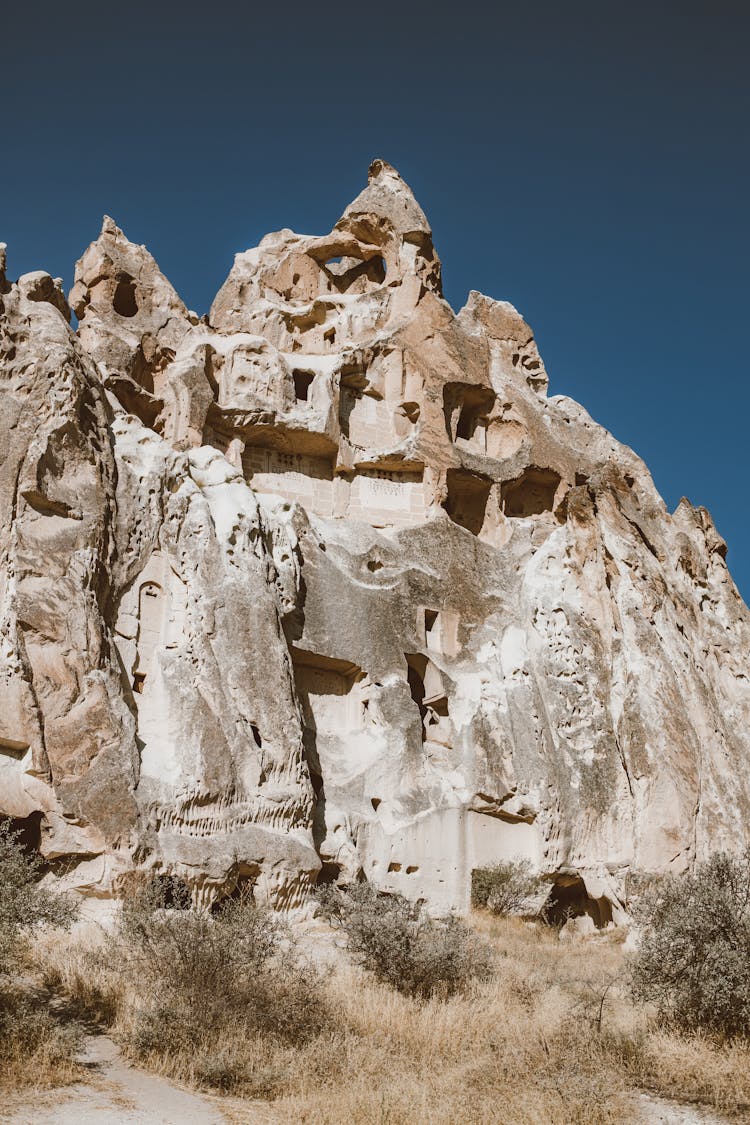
{"points": [[524, 1046], [37, 1051], [36, 1048], [697, 1068], [40, 1068]]}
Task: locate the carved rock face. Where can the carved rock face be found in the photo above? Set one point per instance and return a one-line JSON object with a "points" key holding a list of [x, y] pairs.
{"points": [[324, 585]]}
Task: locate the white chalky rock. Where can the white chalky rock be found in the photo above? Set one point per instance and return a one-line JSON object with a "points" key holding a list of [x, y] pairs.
{"points": [[324, 585]]}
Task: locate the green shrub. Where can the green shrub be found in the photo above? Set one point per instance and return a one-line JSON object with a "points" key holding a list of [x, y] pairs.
{"points": [[693, 960], [402, 945], [28, 1032], [506, 888], [24, 904], [199, 959], [220, 977]]}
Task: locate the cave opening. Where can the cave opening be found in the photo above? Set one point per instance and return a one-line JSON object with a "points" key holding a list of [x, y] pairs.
{"points": [[27, 831], [329, 873], [303, 381], [124, 301], [466, 411], [242, 891], [466, 500], [569, 898], [531, 494], [415, 670], [427, 691]]}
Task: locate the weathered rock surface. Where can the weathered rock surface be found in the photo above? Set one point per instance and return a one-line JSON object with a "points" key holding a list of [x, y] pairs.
{"points": [[324, 585]]}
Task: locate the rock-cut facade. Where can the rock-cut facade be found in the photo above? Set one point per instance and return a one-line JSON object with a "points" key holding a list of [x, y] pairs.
{"points": [[323, 586]]}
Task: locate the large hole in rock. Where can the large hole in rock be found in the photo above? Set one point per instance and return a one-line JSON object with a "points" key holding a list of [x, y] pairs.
{"points": [[530, 494], [428, 692], [468, 420], [467, 497], [303, 381], [568, 899], [124, 301], [242, 891], [415, 677], [466, 409], [355, 275], [27, 830], [329, 873]]}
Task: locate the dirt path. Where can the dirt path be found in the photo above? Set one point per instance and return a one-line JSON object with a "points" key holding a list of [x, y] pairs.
{"points": [[119, 1095], [654, 1110]]}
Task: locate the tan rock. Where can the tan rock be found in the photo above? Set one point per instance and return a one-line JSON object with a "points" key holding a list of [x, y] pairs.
{"points": [[324, 585]]}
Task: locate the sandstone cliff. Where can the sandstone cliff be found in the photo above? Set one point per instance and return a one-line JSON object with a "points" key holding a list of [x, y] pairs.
{"points": [[323, 584]]}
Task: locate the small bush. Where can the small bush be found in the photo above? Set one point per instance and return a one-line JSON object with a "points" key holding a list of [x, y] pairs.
{"points": [[199, 959], [401, 945], [30, 1038], [505, 888], [24, 904], [208, 978], [693, 960], [26, 1028]]}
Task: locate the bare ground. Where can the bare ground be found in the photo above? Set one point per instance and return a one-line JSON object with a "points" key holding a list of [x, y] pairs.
{"points": [[654, 1110], [120, 1094]]}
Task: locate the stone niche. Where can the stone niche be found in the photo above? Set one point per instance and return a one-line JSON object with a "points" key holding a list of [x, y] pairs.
{"points": [[387, 497], [334, 698], [366, 420], [466, 411], [438, 629], [326, 690], [124, 299], [380, 402], [333, 695], [303, 384], [531, 494], [466, 499], [150, 624], [14, 735], [295, 476]]}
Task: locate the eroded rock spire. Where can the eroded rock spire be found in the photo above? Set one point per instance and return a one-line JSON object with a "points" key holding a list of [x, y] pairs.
{"points": [[323, 585]]}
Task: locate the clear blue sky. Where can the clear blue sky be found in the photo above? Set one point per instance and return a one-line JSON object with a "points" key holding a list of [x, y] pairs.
{"points": [[588, 161]]}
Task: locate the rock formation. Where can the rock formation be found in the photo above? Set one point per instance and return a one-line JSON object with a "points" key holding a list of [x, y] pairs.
{"points": [[324, 586]]}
